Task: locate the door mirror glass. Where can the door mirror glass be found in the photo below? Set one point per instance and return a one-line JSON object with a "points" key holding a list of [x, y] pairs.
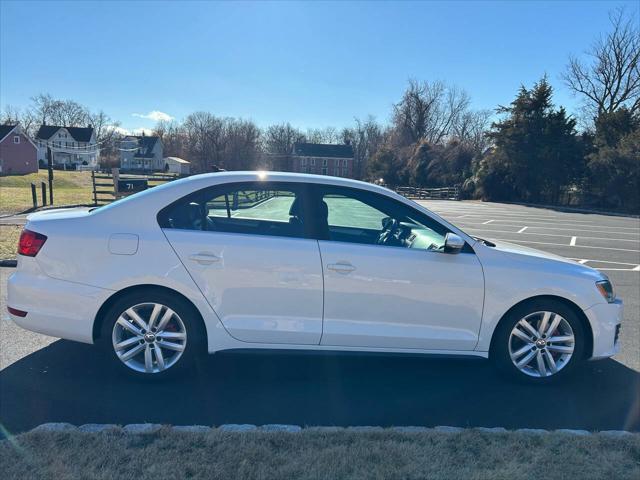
{"points": [[453, 243]]}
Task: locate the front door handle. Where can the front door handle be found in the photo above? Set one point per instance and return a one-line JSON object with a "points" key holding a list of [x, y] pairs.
{"points": [[204, 258], [341, 267]]}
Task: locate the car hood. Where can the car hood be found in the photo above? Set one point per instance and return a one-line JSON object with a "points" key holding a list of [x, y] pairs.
{"points": [[554, 264], [530, 252]]}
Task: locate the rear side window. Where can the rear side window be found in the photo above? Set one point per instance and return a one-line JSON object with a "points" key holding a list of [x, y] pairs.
{"points": [[247, 208]]}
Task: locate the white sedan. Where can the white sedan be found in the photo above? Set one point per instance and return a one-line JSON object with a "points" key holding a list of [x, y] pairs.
{"points": [[261, 260]]}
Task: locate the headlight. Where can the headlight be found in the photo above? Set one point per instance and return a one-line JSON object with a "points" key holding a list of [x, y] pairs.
{"points": [[606, 289]]}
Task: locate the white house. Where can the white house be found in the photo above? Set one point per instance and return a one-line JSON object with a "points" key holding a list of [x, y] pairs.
{"points": [[177, 165], [71, 147], [141, 153]]}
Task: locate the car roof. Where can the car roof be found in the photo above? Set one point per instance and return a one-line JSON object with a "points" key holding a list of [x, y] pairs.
{"points": [[274, 176]]}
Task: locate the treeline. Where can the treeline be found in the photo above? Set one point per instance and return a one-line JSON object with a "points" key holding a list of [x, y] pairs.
{"points": [[530, 150]]}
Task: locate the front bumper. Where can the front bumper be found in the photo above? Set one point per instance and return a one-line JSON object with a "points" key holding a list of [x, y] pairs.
{"points": [[605, 320], [54, 307]]}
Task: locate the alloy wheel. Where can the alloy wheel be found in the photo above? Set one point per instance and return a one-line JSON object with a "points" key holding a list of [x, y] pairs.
{"points": [[541, 344], [149, 337]]}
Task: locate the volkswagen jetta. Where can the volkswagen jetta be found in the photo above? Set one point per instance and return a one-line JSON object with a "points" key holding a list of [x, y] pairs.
{"points": [[276, 260]]}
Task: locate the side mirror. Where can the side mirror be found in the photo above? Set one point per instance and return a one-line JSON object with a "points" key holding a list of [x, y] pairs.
{"points": [[453, 243]]}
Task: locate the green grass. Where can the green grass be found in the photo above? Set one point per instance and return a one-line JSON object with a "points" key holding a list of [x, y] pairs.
{"points": [[316, 455], [69, 188]]}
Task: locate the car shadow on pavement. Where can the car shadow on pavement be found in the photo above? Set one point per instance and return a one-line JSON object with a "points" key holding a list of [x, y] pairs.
{"points": [[71, 382]]}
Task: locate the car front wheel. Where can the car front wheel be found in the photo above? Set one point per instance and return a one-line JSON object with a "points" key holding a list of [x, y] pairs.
{"points": [[539, 342], [152, 334]]}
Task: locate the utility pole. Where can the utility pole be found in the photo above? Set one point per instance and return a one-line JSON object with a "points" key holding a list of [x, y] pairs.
{"points": [[50, 168]]}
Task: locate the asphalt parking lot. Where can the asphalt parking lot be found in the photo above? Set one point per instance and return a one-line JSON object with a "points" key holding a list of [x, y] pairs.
{"points": [[44, 379]]}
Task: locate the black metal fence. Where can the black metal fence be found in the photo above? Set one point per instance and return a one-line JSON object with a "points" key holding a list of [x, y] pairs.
{"points": [[443, 193]]}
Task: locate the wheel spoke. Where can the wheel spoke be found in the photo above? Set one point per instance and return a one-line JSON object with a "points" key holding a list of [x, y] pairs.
{"points": [[127, 342], [165, 319], [554, 324], [521, 351], [561, 338], [171, 346], [541, 368], [157, 308], [560, 348], [133, 315], [126, 324], [527, 326], [526, 359], [159, 356], [148, 360], [132, 353], [544, 322], [171, 335], [521, 335], [551, 361]]}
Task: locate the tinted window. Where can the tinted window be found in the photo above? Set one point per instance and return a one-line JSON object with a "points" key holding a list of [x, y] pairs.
{"points": [[251, 208], [356, 216]]}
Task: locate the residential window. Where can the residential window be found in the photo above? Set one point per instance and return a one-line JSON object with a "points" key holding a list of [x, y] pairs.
{"points": [[324, 162], [324, 170], [313, 162], [304, 162], [344, 172], [16, 139], [344, 162]]}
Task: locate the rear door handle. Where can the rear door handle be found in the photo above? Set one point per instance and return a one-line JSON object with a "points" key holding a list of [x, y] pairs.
{"points": [[204, 258], [341, 267]]}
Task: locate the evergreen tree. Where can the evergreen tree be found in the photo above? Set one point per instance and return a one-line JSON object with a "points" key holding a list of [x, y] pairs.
{"points": [[536, 150]]}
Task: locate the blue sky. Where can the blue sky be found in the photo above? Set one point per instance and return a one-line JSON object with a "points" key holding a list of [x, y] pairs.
{"points": [[312, 64]]}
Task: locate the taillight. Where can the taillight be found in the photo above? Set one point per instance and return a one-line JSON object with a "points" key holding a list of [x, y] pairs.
{"points": [[30, 243]]}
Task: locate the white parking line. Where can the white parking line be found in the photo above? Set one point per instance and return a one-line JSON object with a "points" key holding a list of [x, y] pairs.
{"points": [[564, 245], [572, 243], [611, 239], [522, 229], [487, 222], [636, 235]]}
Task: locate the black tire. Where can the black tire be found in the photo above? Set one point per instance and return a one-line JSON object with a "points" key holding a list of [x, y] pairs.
{"points": [[501, 358], [195, 342]]}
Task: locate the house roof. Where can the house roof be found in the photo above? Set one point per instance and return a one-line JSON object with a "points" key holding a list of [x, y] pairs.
{"points": [[322, 150], [6, 130], [145, 143], [79, 134], [178, 160]]}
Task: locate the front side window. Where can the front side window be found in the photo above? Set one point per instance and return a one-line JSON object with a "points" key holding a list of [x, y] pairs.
{"points": [[252, 208], [16, 139], [356, 216]]}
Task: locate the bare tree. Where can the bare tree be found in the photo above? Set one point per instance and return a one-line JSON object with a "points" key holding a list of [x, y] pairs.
{"points": [[611, 78], [279, 139], [471, 129], [428, 111], [365, 137], [322, 135]]}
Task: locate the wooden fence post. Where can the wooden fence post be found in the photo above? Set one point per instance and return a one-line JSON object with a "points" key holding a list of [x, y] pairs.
{"points": [[93, 182], [34, 196], [115, 172], [43, 188]]}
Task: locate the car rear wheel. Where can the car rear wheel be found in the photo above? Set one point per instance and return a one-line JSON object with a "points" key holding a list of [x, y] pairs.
{"points": [[539, 342], [152, 335]]}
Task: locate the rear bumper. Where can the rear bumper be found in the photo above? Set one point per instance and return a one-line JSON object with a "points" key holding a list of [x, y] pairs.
{"points": [[605, 319], [54, 307]]}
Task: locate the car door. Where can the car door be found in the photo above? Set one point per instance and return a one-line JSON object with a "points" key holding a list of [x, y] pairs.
{"points": [[246, 246], [388, 282]]}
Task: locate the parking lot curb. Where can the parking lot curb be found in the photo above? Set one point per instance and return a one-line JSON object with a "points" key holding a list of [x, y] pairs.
{"points": [[150, 428]]}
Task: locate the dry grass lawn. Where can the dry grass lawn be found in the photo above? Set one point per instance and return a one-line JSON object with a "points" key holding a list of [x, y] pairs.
{"points": [[69, 188], [317, 455], [9, 235]]}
